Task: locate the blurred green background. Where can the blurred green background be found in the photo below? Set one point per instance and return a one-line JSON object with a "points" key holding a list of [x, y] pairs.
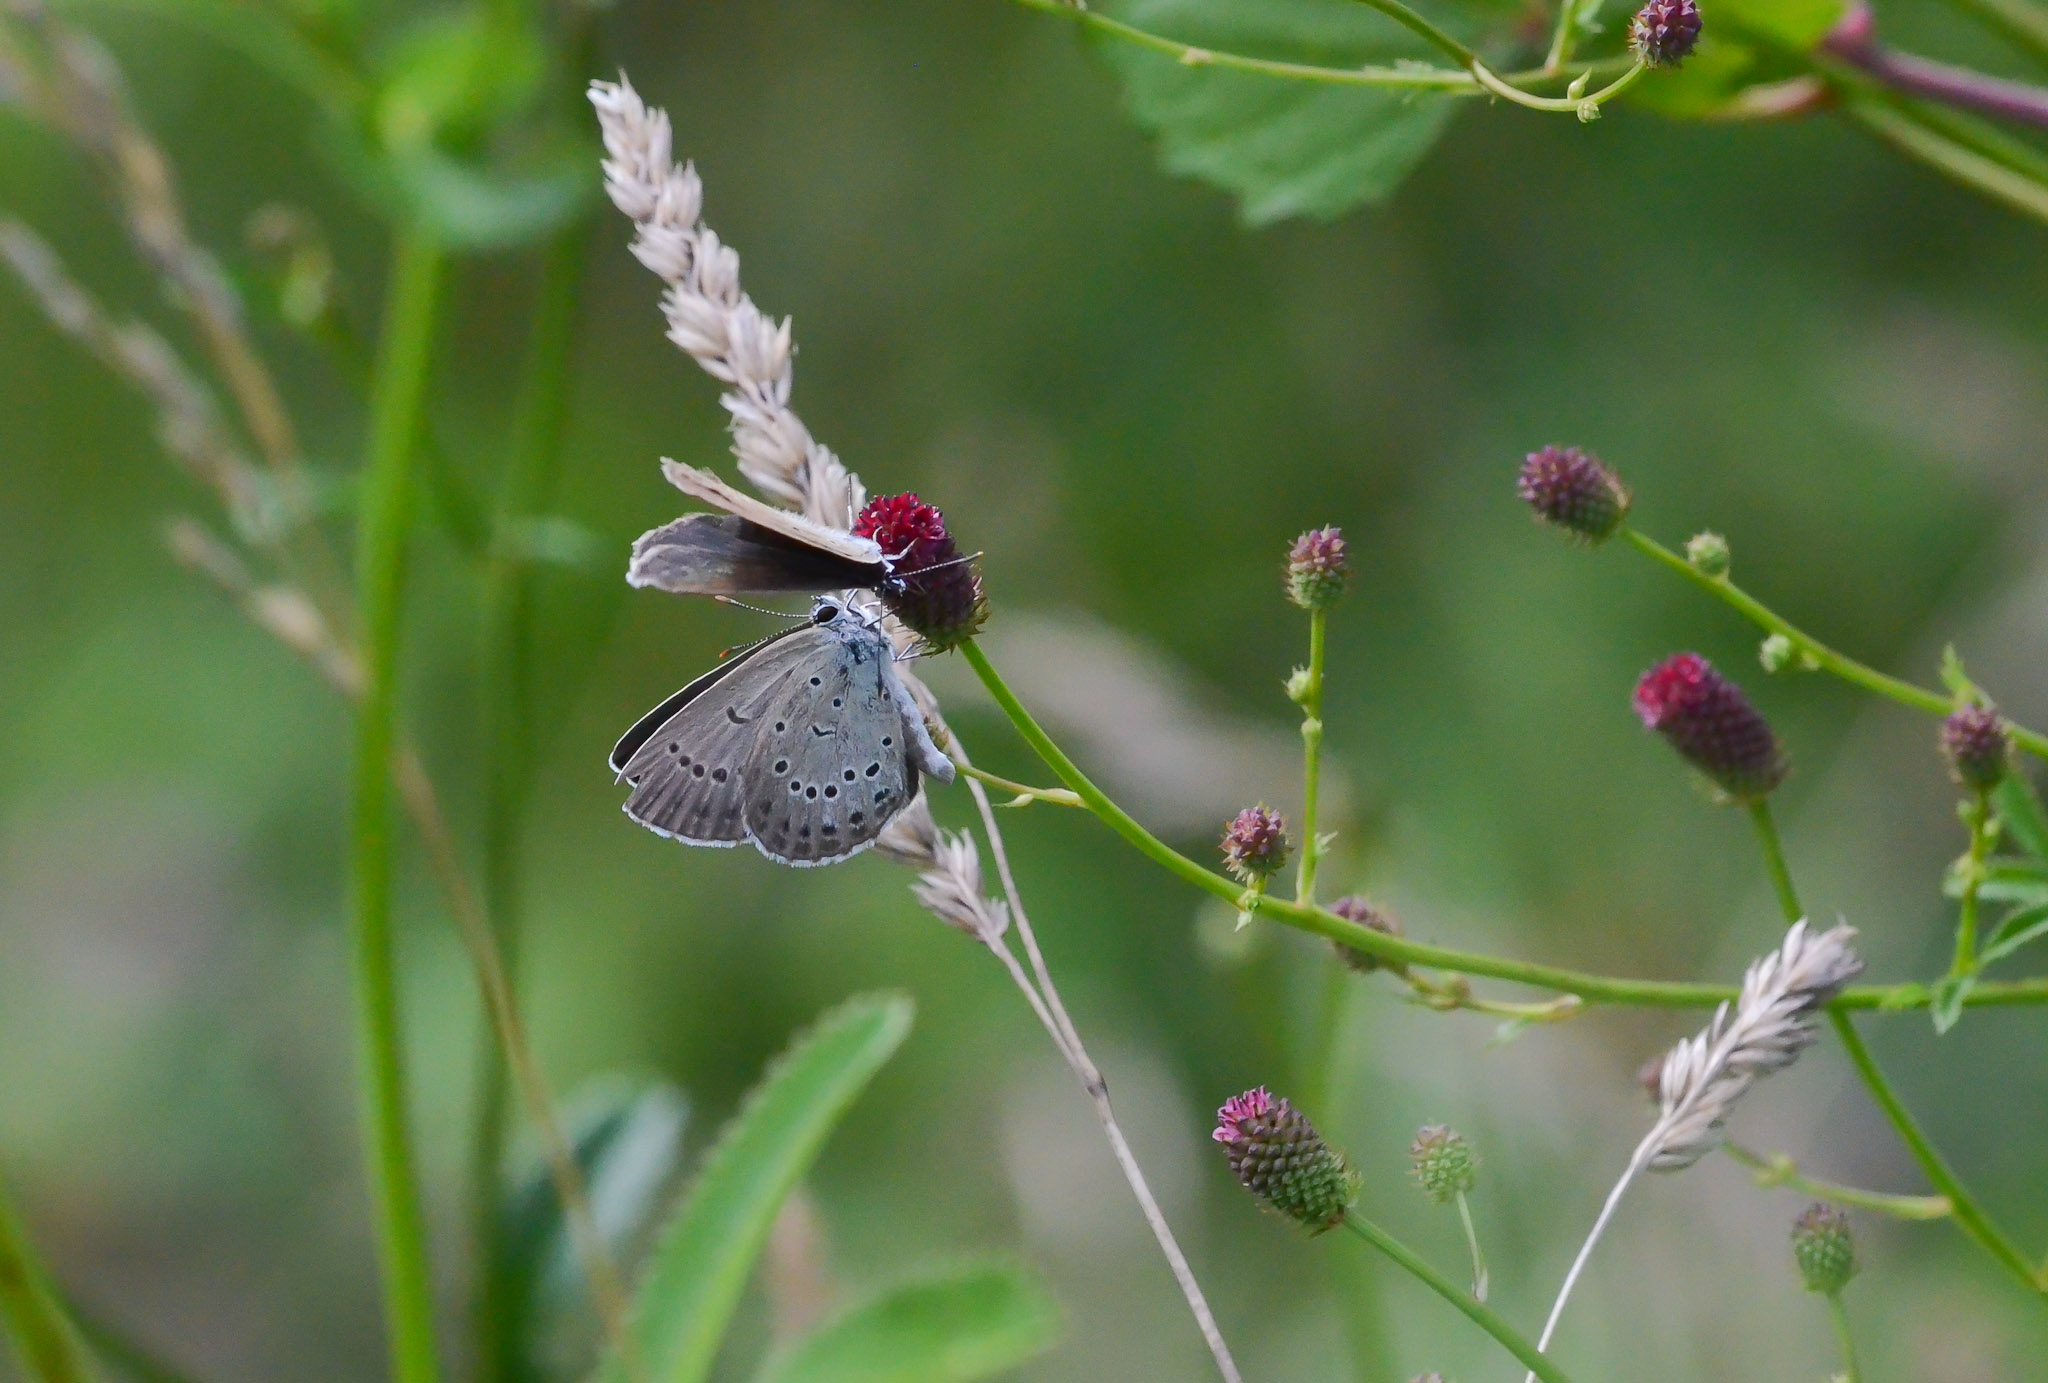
{"points": [[1132, 404]]}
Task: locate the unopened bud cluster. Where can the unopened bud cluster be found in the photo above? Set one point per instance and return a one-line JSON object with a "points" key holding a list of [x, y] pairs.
{"points": [[1277, 1155], [1665, 31], [1353, 908], [1708, 553], [1823, 1248], [1318, 567], [1708, 720], [1444, 1164], [1977, 746], [1255, 843], [1570, 489]]}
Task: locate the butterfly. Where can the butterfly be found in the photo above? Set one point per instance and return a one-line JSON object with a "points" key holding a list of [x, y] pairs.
{"points": [[806, 743], [751, 548]]}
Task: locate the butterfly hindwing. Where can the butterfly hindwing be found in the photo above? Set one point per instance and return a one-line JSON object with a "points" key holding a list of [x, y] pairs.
{"points": [[834, 766]]}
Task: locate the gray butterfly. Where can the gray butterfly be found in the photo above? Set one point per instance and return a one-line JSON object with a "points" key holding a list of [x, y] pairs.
{"points": [[806, 744]]}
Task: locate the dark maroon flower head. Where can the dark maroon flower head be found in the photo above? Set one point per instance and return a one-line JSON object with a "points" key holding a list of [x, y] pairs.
{"points": [[929, 588], [1976, 743], [1571, 489], [1255, 843], [1318, 567], [1277, 1155], [1664, 31], [1354, 908], [1708, 720]]}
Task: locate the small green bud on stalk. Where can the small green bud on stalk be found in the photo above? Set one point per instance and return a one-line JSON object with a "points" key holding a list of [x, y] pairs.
{"points": [[1708, 553], [1823, 1248]]}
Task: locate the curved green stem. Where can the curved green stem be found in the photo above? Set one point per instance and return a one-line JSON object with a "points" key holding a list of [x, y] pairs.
{"points": [[1472, 1243], [1588, 987], [1968, 1213], [397, 400], [1424, 30], [1025, 794], [1510, 1339], [44, 1336], [1585, 107], [1780, 1170]]}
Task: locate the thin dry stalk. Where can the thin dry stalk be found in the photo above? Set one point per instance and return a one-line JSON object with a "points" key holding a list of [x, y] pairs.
{"points": [[1769, 1025], [712, 320]]}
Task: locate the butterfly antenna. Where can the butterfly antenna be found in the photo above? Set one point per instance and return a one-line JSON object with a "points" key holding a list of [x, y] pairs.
{"points": [[949, 562], [757, 609]]}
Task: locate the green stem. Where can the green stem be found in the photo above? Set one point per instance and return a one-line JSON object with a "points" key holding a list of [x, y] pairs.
{"points": [[1472, 1243], [1840, 664], [44, 1337], [1585, 107], [1774, 859], [1510, 1339], [1449, 81], [397, 400], [1311, 757], [2023, 23], [1968, 1213], [1841, 1320], [1561, 37], [1025, 793], [1780, 1170], [1424, 30], [1321, 922], [1979, 818], [533, 463]]}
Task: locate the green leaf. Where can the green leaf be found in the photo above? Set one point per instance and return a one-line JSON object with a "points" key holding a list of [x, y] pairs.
{"points": [[2020, 811], [2020, 926], [1795, 24], [1947, 1004], [952, 1325], [1285, 147], [700, 1266], [627, 1140]]}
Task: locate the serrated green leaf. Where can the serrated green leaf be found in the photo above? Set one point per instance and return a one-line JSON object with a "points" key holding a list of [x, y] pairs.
{"points": [[2019, 809], [2018, 928], [1285, 147], [701, 1263], [951, 1325]]}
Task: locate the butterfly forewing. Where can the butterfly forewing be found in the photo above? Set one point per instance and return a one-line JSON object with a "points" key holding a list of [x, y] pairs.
{"points": [[833, 766], [724, 554]]}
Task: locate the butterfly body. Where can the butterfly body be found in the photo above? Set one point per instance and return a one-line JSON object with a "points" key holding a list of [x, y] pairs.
{"points": [[806, 744]]}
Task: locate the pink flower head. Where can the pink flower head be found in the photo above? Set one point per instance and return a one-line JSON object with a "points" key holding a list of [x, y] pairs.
{"points": [[1977, 745], [1664, 31], [1277, 1155], [1571, 490], [1255, 843], [929, 587], [1708, 720], [1240, 1110], [1318, 566]]}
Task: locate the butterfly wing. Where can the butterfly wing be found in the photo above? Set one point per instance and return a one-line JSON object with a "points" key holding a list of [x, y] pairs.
{"points": [[709, 488], [834, 764], [686, 758], [725, 554]]}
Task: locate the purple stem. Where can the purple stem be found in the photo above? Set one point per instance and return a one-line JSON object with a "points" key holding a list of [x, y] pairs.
{"points": [[1854, 41]]}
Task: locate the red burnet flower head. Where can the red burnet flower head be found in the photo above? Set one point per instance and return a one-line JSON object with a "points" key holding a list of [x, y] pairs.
{"points": [[1277, 1155], [1664, 31], [1707, 719], [1976, 744], [1255, 843], [1318, 566], [1571, 490], [929, 587], [1354, 908], [1823, 1248]]}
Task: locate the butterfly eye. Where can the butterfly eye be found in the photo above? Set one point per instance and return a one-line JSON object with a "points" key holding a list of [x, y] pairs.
{"points": [[825, 613]]}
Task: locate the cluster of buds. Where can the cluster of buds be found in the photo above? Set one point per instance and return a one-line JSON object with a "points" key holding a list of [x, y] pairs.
{"points": [[1823, 1248], [1318, 568], [1709, 721], [1977, 745], [1444, 1164], [1255, 844], [931, 587], [1569, 489], [1663, 32], [1353, 908], [1277, 1155]]}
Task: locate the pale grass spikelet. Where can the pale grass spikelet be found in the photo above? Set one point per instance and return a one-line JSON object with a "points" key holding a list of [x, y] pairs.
{"points": [[952, 890], [1770, 1023], [709, 317]]}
